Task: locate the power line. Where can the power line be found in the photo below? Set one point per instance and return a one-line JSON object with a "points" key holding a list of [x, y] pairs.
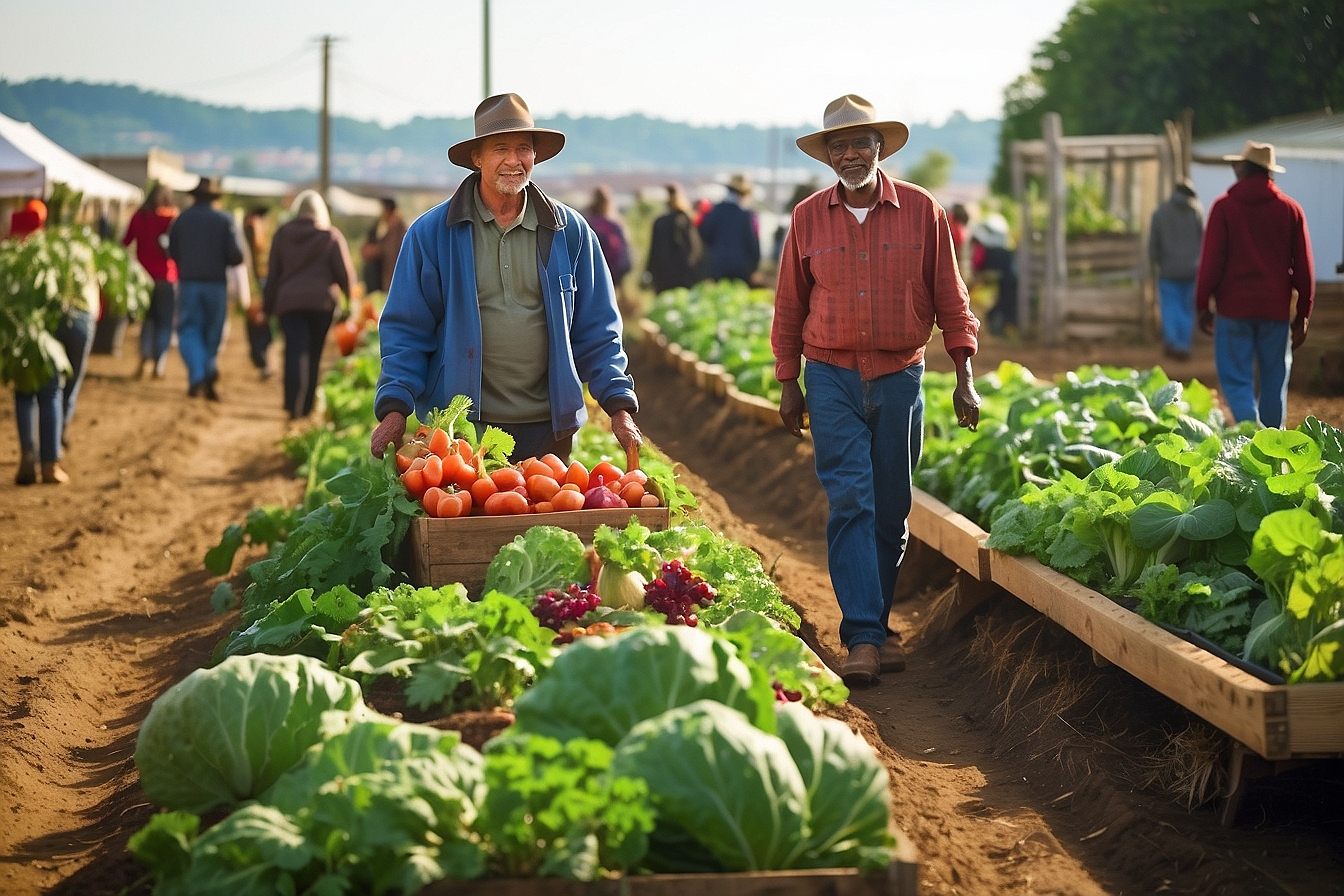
{"points": [[268, 69]]}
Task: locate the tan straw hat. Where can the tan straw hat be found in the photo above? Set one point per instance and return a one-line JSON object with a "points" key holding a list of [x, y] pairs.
{"points": [[739, 184], [506, 113], [851, 111], [1261, 154]]}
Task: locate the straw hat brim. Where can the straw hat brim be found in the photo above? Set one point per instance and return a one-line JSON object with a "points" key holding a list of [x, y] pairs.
{"points": [[546, 142], [894, 135], [1238, 157]]}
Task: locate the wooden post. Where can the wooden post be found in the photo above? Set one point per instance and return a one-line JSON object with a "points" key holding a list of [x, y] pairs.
{"points": [[1056, 269], [324, 122], [1026, 308]]}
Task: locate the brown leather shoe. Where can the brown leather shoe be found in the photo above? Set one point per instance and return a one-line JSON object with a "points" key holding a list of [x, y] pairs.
{"points": [[861, 668], [892, 655]]}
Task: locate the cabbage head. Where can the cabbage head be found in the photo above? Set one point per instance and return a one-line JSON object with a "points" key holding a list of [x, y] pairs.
{"points": [[223, 735]]}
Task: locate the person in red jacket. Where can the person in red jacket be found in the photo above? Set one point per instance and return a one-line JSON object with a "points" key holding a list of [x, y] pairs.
{"points": [[1256, 253], [148, 229]]}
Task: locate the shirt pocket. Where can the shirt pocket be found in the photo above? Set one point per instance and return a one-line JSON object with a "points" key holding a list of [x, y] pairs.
{"points": [[902, 266], [830, 268]]}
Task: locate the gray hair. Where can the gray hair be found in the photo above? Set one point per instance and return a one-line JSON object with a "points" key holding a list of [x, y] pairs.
{"points": [[310, 204]]}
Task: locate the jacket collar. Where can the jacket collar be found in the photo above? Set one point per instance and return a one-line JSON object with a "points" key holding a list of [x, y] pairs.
{"points": [[459, 207]]}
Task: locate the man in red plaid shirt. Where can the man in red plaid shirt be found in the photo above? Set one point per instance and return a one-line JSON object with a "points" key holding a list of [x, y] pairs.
{"points": [[867, 269]]}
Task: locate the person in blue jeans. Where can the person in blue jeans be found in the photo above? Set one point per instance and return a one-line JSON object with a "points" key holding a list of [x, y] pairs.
{"points": [[1174, 238], [204, 243], [861, 315], [53, 405], [1257, 280]]}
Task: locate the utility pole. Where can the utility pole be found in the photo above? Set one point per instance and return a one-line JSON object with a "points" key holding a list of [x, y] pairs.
{"points": [[324, 121], [485, 54]]}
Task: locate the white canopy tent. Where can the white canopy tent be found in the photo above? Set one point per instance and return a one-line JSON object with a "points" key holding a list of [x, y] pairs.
{"points": [[31, 164]]}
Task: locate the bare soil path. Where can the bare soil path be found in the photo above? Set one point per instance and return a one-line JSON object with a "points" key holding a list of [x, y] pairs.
{"points": [[1014, 762]]}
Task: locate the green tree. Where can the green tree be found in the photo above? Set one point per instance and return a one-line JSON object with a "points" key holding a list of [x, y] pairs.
{"points": [[1125, 66], [932, 169]]}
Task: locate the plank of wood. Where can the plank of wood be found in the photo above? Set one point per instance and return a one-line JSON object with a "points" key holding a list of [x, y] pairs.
{"points": [[951, 534], [1276, 721], [1230, 699], [754, 407], [900, 879]]}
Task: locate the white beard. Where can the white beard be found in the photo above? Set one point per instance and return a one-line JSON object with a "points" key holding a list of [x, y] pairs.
{"points": [[862, 183], [510, 188]]}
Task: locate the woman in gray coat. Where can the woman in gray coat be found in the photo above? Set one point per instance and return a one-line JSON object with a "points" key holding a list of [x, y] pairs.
{"points": [[309, 271]]}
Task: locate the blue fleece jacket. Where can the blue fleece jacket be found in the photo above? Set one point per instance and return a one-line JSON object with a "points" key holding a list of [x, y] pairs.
{"points": [[430, 329]]}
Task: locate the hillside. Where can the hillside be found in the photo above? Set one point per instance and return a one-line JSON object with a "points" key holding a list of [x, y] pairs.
{"points": [[110, 118]]}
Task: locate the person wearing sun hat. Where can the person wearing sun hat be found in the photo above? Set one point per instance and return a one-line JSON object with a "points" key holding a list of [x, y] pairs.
{"points": [[867, 269], [204, 244], [1256, 254], [502, 294], [731, 234]]}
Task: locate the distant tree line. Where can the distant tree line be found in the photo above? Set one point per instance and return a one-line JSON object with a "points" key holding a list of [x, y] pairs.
{"points": [[1125, 66], [106, 118]]}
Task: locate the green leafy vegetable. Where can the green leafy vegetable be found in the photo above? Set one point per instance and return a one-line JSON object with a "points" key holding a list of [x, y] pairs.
{"points": [[223, 735]]}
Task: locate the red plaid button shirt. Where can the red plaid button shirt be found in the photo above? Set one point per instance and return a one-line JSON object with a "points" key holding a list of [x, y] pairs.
{"points": [[866, 296]]}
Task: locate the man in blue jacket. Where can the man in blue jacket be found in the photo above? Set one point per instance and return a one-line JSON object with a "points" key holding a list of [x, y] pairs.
{"points": [[502, 294]]}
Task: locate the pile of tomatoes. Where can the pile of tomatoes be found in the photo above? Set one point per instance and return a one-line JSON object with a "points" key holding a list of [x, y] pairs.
{"points": [[448, 480]]}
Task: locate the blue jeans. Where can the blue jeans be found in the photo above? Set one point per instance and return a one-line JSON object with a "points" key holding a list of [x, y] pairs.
{"points": [[76, 334], [54, 402], [156, 333], [1247, 349], [867, 438], [46, 402], [200, 327], [1178, 312]]}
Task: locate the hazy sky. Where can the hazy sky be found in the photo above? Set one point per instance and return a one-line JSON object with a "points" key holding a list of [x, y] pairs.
{"points": [[763, 62]]}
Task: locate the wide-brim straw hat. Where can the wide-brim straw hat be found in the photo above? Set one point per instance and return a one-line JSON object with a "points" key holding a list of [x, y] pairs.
{"points": [[849, 111], [740, 184], [208, 186], [506, 113], [1261, 154]]}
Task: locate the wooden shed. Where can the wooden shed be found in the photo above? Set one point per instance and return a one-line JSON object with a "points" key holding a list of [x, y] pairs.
{"points": [[1090, 286]]}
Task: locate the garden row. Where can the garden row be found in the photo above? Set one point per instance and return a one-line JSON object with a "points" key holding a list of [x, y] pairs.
{"points": [[638, 704], [1216, 552]]}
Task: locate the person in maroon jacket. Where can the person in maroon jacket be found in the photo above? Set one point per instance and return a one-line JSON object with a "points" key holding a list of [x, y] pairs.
{"points": [[866, 271], [1256, 253], [148, 229]]}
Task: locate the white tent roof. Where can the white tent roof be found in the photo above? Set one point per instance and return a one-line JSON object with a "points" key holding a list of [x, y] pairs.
{"points": [[31, 164]]}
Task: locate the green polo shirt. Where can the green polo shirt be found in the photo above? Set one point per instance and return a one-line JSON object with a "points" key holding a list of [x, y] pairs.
{"points": [[515, 387]]}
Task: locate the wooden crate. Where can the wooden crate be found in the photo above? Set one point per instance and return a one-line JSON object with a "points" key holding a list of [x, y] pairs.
{"points": [[951, 534], [900, 879], [439, 552], [1275, 721]]}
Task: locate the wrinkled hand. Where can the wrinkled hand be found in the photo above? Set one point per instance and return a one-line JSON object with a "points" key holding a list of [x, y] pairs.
{"points": [[626, 432], [1206, 321], [1299, 332], [389, 432], [792, 407], [966, 401]]}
